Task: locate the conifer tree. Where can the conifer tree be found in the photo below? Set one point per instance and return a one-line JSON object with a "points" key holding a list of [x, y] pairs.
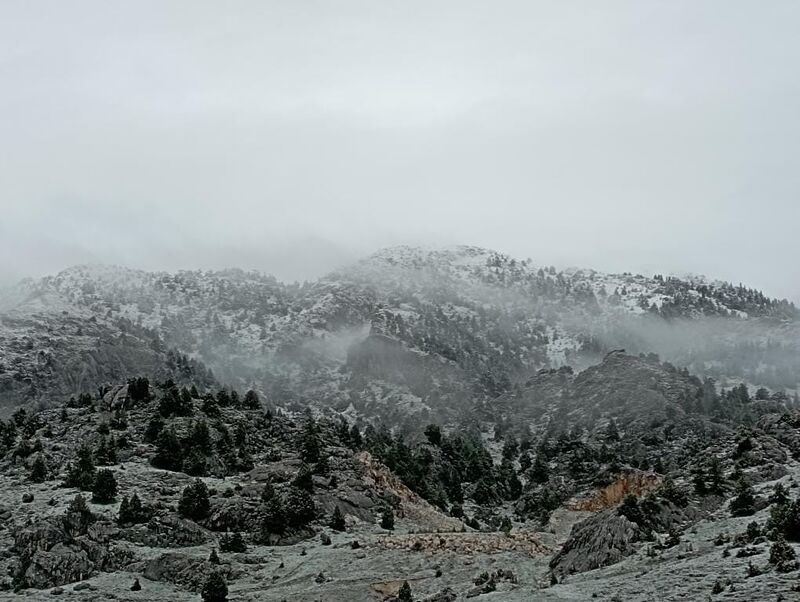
{"points": [[105, 487], [81, 473], [337, 520], [387, 519], [38, 470], [169, 451], [194, 503], [214, 589]]}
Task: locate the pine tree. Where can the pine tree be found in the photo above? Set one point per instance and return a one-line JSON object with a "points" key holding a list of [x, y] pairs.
{"points": [[251, 401], [38, 470], [310, 441], [213, 558], [356, 440], [194, 503], [169, 451], [299, 507], [210, 407], [304, 479], [78, 517], [743, 504], [214, 589], [539, 472], [81, 473], [273, 516], [322, 467], [404, 594], [237, 543], [387, 519], [106, 452], [105, 487], [337, 520]]}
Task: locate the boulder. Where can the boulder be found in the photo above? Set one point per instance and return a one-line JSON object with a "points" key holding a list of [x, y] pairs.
{"points": [[600, 540]]}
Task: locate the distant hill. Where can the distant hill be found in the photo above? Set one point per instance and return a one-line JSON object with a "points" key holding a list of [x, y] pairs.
{"points": [[407, 331]]}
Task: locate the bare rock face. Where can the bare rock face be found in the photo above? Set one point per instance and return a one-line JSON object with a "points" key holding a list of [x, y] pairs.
{"points": [[52, 555], [39, 536], [167, 532], [186, 571], [235, 514], [598, 541], [58, 566], [635, 483]]}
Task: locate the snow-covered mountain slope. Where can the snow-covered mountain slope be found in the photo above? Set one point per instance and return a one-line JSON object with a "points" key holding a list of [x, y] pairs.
{"points": [[406, 329]]}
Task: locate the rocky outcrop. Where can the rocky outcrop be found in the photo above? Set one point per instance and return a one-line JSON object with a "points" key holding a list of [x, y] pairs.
{"points": [[53, 551], [598, 541], [167, 532], [185, 571], [61, 565]]}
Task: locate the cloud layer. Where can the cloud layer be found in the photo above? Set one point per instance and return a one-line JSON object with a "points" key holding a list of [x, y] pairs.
{"points": [[291, 137]]}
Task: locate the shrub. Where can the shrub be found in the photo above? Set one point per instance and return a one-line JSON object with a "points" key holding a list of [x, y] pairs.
{"points": [[783, 556]]}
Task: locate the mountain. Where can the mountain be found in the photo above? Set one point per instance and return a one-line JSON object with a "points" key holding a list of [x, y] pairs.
{"points": [[456, 420], [407, 332]]}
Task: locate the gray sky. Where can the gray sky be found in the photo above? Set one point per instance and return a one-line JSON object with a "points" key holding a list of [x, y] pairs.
{"points": [[293, 136]]}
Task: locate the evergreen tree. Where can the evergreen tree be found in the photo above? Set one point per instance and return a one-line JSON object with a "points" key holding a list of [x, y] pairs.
{"points": [[404, 594], [106, 452], [105, 487], [194, 503], [612, 433], [387, 519], [210, 407], [434, 434], [78, 517], [356, 441], [337, 520], [38, 470], [743, 504], [213, 558], [539, 472], [299, 507], [214, 589], [232, 543], [273, 516], [131, 511], [304, 479], [310, 441], [169, 451], [782, 555], [81, 473], [251, 401], [322, 467]]}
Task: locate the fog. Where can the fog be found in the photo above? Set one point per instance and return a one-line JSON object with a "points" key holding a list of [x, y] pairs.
{"points": [[295, 137]]}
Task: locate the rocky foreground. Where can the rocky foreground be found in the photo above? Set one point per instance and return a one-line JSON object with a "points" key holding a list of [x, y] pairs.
{"points": [[644, 535]]}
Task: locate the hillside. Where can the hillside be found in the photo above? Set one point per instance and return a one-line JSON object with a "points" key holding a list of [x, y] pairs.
{"points": [[408, 331], [142, 491]]}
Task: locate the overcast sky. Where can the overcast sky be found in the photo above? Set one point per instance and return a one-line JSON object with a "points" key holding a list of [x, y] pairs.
{"points": [[294, 136]]}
